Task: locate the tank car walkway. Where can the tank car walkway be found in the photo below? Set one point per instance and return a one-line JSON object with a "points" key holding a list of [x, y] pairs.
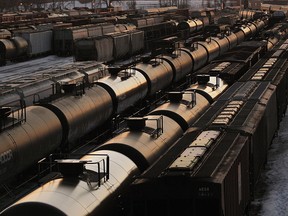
{"points": [[272, 191]]}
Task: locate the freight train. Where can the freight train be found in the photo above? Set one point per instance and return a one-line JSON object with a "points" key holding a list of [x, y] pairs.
{"points": [[38, 87], [50, 83], [57, 37], [140, 154], [45, 128], [214, 168], [63, 39], [94, 183], [42, 41], [86, 41]]}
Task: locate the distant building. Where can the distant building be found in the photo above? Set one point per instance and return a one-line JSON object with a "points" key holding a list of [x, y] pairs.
{"points": [[255, 4]]}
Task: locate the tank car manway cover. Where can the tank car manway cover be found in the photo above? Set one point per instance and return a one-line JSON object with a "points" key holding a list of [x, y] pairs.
{"points": [[191, 155], [228, 113]]}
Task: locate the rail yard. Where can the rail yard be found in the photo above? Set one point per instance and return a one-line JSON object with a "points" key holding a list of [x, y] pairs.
{"points": [[168, 112]]}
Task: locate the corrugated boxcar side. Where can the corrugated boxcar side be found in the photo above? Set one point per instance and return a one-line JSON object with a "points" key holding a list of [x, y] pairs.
{"points": [[107, 28], [104, 48], [221, 185], [39, 42], [84, 49], [137, 41], [121, 44], [236, 183]]}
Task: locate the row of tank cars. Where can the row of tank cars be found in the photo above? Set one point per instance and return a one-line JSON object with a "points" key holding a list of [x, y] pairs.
{"points": [[85, 40], [55, 82], [50, 83], [60, 38], [93, 182], [213, 169], [14, 91]]}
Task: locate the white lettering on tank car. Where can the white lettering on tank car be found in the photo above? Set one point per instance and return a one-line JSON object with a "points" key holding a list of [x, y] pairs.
{"points": [[6, 156]]}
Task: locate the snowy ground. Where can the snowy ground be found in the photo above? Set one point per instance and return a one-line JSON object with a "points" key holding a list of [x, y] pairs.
{"points": [[22, 69], [272, 192]]}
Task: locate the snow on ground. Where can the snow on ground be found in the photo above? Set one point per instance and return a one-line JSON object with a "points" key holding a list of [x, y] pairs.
{"points": [[22, 69], [271, 197]]}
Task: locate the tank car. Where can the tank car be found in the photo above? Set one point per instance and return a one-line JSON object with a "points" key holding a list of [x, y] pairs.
{"points": [[12, 49], [235, 62], [188, 27], [251, 14], [80, 115], [127, 154], [49, 83], [192, 177], [244, 32], [20, 142]]}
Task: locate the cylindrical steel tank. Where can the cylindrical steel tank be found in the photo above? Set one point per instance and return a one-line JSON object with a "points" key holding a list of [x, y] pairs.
{"points": [[260, 24], [247, 32], [74, 197], [232, 38], [181, 63], [81, 114], [212, 48], [253, 28], [190, 25], [199, 55], [185, 111], [240, 36], [271, 42], [140, 146], [125, 89], [30, 141], [7, 49], [199, 24], [158, 73], [223, 44], [211, 90], [21, 45]]}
